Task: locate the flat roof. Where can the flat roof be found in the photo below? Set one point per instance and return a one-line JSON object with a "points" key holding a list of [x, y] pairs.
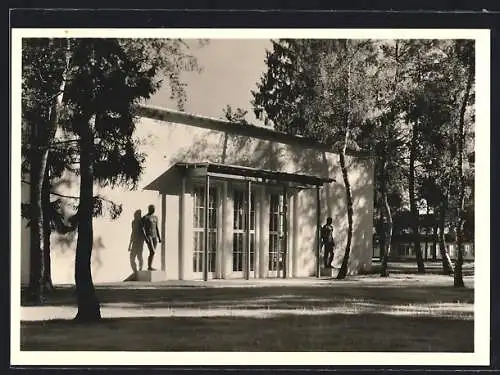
{"points": [[247, 129], [241, 172]]}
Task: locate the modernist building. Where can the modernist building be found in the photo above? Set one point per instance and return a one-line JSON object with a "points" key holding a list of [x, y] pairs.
{"points": [[233, 201]]}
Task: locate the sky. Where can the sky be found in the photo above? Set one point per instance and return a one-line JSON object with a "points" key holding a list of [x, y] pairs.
{"points": [[231, 68]]}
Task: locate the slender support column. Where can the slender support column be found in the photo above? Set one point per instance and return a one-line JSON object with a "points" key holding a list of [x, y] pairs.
{"points": [[318, 234], [219, 246], [264, 234], [256, 266], [295, 235], [228, 231], [280, 235], [225, 229], [205, 257], [182, 227], [249, 216], [285, 232], [163, 231]]}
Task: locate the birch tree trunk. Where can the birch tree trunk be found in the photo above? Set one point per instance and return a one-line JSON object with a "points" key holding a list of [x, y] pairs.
{"points": [[458, 276], [445, 258], [345, 261], [47, 274], [387, 234], [413, 203]]}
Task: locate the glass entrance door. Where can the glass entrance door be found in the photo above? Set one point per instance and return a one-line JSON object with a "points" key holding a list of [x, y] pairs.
{"points": [[199, 232], [276, 236], [240, 224]]}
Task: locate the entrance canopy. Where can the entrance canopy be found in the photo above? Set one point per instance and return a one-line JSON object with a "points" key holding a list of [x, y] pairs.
{"points": [[208, 171], [255, 175]]}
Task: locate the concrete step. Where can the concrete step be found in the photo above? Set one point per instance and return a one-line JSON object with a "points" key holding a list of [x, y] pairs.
{"points": [[150, 276]]}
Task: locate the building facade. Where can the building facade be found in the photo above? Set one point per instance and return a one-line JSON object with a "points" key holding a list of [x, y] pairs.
{"points": [[233, 201]]}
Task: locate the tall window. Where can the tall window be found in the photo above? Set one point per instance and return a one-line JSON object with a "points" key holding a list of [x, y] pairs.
{"points": [[240, 215], [199, 228], [274, 233]]}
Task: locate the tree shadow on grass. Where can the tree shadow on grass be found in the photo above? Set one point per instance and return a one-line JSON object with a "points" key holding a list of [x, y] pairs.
{"points": [[331, 332], [291, 297]]}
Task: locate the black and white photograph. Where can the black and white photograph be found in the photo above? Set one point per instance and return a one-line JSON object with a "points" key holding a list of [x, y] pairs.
{"points": [[255, 197]]}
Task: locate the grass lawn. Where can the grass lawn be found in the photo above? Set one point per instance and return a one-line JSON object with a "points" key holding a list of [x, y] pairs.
{"points": [[406, 312]]}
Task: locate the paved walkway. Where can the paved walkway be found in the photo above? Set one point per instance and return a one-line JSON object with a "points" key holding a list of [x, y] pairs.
{"points": [[217, 283], [366, 280]]}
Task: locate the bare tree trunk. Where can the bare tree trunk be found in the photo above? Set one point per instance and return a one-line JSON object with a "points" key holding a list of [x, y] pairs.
{"points": [[47, 276], [387, 223], [445, 258], [88, 304], [458, 280], [458, 276], [381, 235], [426, 232], [385, 177], [345, 261], [413, 204], [40, 192], [38, 163], [388, 234], [224, 148]]}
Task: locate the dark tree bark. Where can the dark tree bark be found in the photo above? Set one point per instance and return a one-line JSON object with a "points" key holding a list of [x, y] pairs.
{"points": [[458, 280], [88, 304], [345, 261], [38, 164], [224, 148], [413, 204]]}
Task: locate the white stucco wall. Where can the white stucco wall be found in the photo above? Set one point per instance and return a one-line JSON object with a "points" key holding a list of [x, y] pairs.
{"points": [[166, 143]]}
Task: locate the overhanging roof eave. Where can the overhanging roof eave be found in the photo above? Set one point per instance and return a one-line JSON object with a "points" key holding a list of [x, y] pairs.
{"points": [[227, 171]]}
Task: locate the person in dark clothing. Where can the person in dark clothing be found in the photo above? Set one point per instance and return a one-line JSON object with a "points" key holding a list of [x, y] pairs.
{"points": [[327, 242], [151, 234]]}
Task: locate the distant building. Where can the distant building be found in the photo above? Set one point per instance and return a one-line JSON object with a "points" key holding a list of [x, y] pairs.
{"points": [[262, 204], [405, 250], [402, 245]]}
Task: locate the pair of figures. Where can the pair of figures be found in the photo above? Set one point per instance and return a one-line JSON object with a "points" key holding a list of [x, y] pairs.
{"points": [[328, 242], [144, 229]]}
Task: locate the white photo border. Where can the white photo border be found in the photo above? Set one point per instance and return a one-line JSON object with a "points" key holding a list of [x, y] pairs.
{"points": [[481, 354]]}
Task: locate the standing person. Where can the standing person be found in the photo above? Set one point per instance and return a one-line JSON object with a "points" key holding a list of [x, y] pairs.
{"points": [[151, 234], [327, 242]]}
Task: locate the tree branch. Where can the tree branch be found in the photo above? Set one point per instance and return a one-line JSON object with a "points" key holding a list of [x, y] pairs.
{"points": [[63, 142], [72, 196]]}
